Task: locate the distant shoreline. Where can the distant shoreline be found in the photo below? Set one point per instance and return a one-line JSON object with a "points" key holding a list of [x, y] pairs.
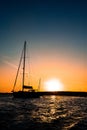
{"points": [[57, 93], [65, 93]]}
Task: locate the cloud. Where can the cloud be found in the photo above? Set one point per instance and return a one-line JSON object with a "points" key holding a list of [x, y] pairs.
{"points": [[7, 61], [10, 64]]}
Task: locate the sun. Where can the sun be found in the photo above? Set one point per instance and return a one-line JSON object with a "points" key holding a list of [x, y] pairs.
{"points": [[53, 85]]}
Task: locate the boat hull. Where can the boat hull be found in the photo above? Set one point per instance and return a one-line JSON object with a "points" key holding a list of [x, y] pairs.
{"points": [[22, 94]]}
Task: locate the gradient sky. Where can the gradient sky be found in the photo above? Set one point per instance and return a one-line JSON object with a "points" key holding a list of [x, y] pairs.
{"points": [[56, 33]]}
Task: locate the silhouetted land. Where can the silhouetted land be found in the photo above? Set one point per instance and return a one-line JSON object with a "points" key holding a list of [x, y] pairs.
{"points": [[65, 93], [59, 93]]}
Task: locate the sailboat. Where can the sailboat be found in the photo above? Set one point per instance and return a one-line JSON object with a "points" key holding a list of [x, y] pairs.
{"points": [[30, 93]]}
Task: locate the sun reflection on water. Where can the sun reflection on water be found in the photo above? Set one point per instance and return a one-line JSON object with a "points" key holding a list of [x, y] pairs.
{"points": [[48, 111]]}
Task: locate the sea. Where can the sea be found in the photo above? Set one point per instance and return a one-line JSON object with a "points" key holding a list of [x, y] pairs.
{"points": [[44, 113]]}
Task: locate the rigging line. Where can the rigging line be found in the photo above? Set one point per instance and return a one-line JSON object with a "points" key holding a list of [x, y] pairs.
{"points": [[18, 70], [29, 68]]}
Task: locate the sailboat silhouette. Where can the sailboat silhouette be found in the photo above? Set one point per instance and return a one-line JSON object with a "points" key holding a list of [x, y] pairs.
{"points": [[30, 93]]}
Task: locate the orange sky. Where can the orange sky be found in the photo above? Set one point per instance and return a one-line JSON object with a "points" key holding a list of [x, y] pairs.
{"points": [[71, 74]]}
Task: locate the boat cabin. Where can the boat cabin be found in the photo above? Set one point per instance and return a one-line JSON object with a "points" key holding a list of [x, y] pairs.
{"points": [[29, 88]]}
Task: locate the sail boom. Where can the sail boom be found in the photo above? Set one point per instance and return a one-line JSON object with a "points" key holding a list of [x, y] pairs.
{"points": [[27, 87]]}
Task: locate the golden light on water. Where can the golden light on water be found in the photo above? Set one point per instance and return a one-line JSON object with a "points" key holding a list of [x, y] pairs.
{"points": [[53, 85]]}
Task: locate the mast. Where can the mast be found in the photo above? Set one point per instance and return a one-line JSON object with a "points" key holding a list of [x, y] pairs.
{"points": [[39, 84], [24, 55]]}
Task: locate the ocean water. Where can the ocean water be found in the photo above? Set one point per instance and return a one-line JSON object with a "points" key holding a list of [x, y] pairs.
{"points": [[47, 112]]}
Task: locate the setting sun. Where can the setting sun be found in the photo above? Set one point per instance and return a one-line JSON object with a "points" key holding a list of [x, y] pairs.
{"points": [[53, 85]]}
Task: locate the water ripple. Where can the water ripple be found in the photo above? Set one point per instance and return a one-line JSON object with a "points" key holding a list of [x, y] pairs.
{"points": [[51, 112]]}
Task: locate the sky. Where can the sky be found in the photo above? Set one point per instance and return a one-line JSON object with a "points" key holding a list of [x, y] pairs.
{"points": [[56, 34]]}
